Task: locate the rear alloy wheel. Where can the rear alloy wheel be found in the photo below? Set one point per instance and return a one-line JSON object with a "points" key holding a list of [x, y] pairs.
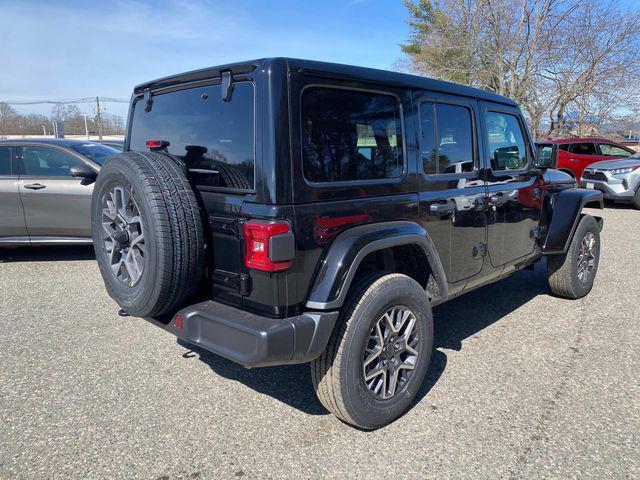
{"points": [[391, 354], [572, 275], [379, 352]]}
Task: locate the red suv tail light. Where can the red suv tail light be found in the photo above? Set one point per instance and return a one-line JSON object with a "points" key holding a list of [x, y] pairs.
{"points": [[261, 239]]}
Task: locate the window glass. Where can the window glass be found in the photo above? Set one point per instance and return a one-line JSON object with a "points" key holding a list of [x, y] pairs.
{"points": [[583, 148], [564, 146], [5, 161], [428, 143], [453, 150], [455, 138], [47, 161], [350, 135], [506, 143], [95, 151], [613, 150], [204, 131]]}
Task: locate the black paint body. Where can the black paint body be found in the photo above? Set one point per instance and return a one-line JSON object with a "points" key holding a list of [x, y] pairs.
{"points": [[467, 229]]}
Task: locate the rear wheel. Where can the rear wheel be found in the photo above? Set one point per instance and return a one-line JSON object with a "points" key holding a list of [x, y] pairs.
{"points": [[572, 275], [379, 352], [147, 233]]}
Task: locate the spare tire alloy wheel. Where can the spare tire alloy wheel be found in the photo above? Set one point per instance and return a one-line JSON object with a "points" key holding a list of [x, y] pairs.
{"points": [[123, 234], [391, 353]]}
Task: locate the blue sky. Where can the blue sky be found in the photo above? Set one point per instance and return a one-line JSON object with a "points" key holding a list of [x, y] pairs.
{"points": [[70, 49]]}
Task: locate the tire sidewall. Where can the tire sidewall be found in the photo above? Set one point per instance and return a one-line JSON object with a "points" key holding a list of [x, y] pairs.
{"points": [[360, 402], [132, 299]]}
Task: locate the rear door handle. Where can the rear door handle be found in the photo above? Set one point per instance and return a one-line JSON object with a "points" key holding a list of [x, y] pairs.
{"points": [[35, 186], [442, 208]]}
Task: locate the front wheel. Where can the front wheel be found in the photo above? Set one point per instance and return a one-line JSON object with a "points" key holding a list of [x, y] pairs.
{"points": [[572, 275], [379, 352]]}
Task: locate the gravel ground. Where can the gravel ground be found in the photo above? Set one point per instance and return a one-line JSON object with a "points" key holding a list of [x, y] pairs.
{"points": [[521, 385]]}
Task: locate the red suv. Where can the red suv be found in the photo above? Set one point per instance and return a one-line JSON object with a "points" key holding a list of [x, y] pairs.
{"points": [[576, 154]]}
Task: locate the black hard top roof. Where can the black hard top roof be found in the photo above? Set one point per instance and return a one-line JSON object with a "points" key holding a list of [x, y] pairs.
{"points": [[336, 70]]}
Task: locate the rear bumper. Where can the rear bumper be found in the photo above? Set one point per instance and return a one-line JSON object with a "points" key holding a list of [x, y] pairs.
{"points": [[249, 339]]}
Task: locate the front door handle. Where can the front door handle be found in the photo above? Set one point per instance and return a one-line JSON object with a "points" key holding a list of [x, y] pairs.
{"points": [[442, 208], [35, 186]]}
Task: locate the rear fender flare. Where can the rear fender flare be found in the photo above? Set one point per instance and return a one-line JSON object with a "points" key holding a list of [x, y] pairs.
{"points": [[347, 251], [567, 208]]}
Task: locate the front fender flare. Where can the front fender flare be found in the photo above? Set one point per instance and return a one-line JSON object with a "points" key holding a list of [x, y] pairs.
{"points": [[566, 207], [347, 251]]}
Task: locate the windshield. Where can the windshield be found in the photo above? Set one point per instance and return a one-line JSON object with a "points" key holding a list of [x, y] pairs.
{"points": [[96, 152]]}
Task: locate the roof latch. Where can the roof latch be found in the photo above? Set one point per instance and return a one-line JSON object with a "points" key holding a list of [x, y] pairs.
{"points": [[226, 86], [148, 100]]}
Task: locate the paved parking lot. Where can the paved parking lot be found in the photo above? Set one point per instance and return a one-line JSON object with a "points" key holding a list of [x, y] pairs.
{"points": [[521, 384]]}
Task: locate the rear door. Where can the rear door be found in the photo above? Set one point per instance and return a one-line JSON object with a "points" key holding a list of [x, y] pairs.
{"points": [[12, 225], [56, 205], [453, 188], [581, 155], [513, 211]]}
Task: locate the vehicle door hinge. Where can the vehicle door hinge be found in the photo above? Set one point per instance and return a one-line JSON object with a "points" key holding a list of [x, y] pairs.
{"points": [[480, 250]]}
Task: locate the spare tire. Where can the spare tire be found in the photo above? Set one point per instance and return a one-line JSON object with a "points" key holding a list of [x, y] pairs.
{"points": [[147, 233]]}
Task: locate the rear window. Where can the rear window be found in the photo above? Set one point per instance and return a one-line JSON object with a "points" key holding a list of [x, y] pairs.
{"points": [[206, 132], [95, 151], [350, 135]]}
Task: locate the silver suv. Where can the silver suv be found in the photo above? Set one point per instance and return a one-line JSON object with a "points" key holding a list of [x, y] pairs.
{"points": [[616, 179]]}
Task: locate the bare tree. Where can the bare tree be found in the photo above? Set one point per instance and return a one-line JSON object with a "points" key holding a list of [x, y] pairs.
{"points": [[7, 118], [548, 55]]}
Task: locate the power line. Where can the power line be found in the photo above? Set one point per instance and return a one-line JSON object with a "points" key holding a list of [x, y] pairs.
{"points": [[75, 100]]}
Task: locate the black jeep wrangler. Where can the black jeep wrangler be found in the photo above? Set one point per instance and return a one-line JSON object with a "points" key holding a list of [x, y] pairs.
{"points": [[285, 211]]}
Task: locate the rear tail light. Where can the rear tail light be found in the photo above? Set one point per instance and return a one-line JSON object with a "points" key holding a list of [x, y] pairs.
{"points": [[258, 237]]}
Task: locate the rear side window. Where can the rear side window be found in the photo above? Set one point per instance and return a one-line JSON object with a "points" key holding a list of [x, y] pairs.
{"points": [[447, 138], [5, 161], [613, 150], [583, 148], [350, 135], [506, 143], [206, 132]]}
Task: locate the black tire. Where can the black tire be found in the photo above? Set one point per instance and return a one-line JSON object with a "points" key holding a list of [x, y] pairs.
{"points": [[231, 177], [173, 233], [338, 374], [563, 270], [636, 199]]}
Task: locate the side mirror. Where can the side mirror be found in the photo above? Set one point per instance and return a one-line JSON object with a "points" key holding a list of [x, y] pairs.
{"points": [[83, 171], [546, 155]]}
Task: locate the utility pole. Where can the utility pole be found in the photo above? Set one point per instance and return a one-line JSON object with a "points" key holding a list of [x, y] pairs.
{"points": [[86, 129], [98, 118]]}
